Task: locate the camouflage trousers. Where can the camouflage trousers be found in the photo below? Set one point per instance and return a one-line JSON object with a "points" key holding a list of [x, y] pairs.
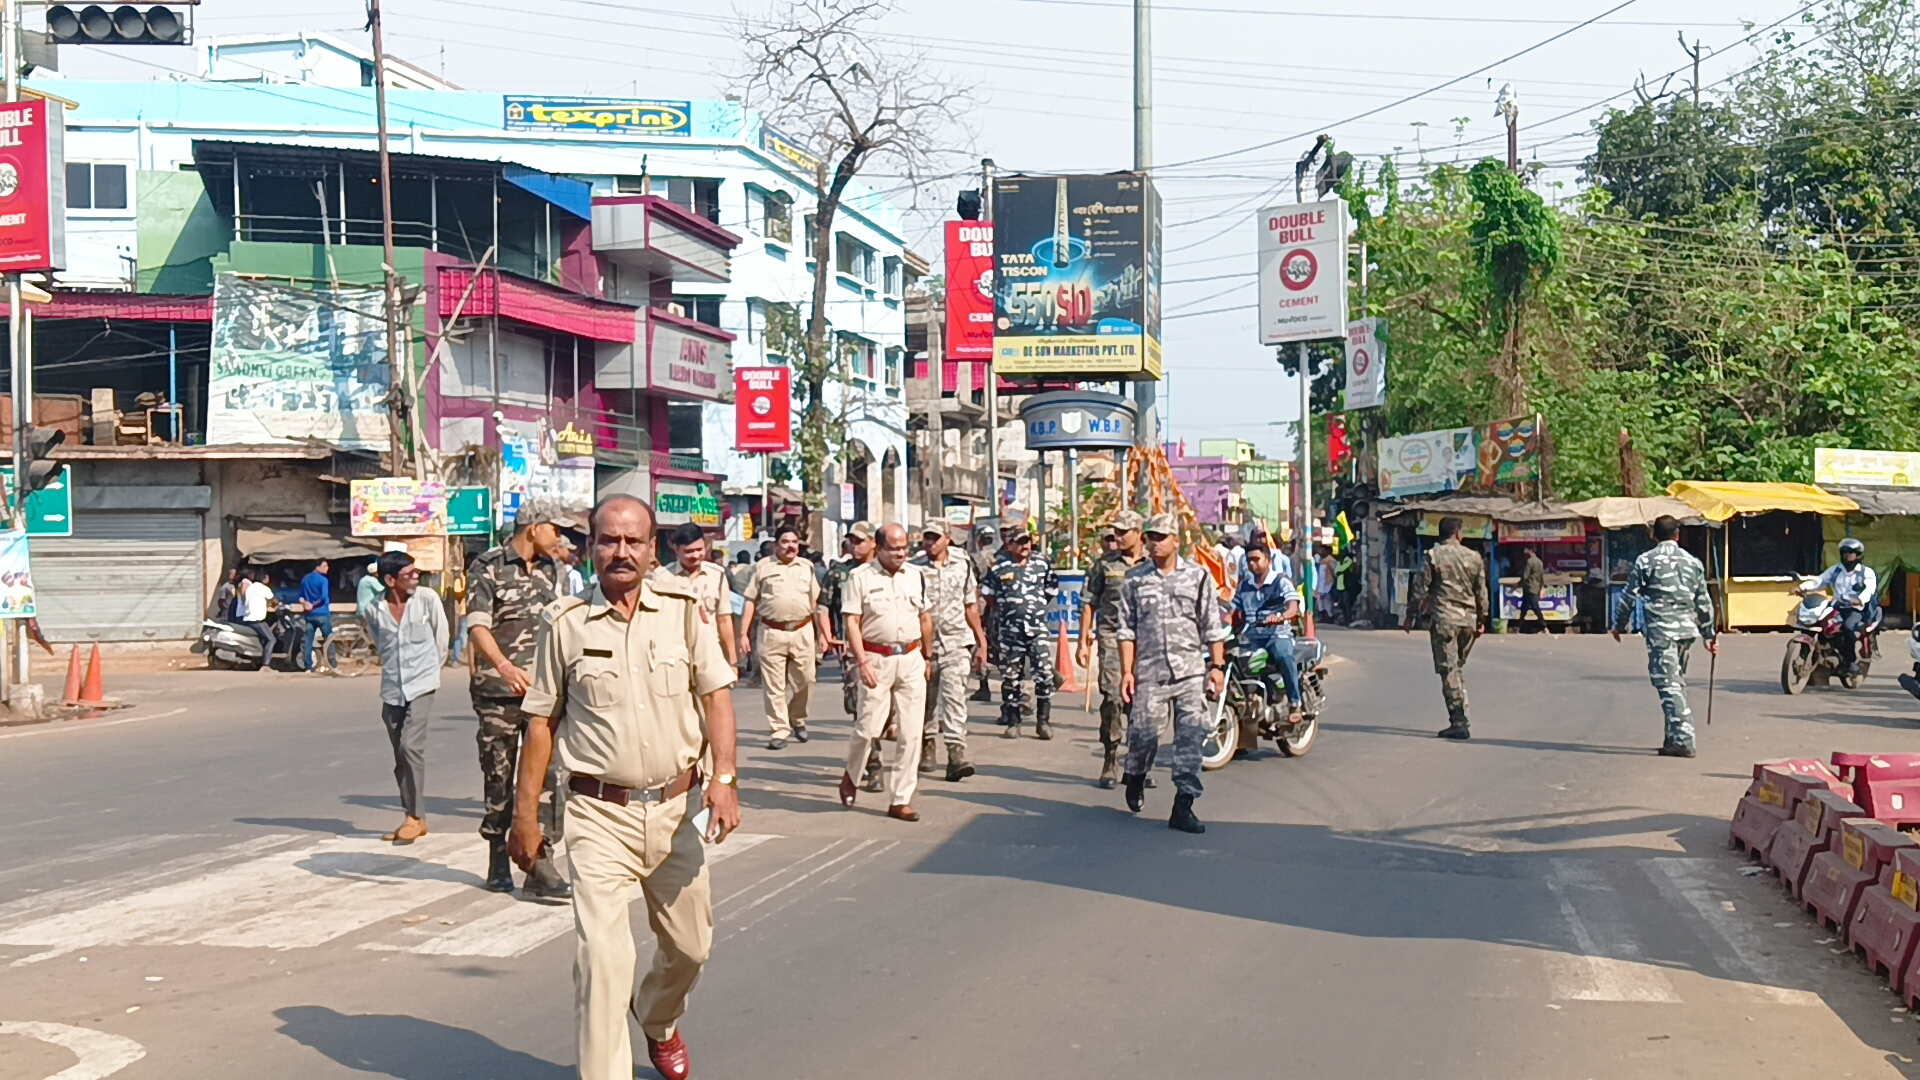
{"points": [[1451, 644], [1113, 714], [947, 695], [502, 724], [1023, 657], [1667, 669], [1188, 697]]}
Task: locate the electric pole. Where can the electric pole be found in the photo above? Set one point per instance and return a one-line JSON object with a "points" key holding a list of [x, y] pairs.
{"points": [[1145, 392], [993, 372], [399, 362], [1508, 105]]}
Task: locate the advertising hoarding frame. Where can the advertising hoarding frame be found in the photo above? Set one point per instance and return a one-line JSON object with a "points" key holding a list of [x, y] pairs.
{"points": [[763, 410], [1303, 272]]}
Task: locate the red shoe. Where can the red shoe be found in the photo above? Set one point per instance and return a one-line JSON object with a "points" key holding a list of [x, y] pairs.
{"points": [[848, 792], [670, 1057]]}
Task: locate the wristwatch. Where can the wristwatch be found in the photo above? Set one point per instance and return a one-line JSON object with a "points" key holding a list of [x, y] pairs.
{"points": [[728, 779]]}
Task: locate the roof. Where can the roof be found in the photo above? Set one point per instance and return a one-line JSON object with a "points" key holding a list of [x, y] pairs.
{"points": [[169, 452], [1617, 512], [1718, 500], [1496, 507], [1881, 502]]}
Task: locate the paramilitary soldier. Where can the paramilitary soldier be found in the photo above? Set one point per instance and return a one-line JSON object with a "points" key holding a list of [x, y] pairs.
{"points": [[1452, 590], [508, 588], [1020, 588], [959, 646], [859, 547], [1100, 618], [1673, 586], [1173, 651]]}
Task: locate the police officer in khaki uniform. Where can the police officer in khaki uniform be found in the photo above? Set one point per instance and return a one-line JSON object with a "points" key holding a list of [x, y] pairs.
{"points": [[782, 596], [890, 636], [707, 579], [630, 689]]}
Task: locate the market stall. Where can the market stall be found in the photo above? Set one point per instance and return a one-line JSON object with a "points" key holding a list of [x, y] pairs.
{"points": [[1772, 536], [1889, 524], [1626, 531], [1498, 528]]}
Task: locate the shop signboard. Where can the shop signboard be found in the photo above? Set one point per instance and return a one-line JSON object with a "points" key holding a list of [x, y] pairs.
{"points": [[293, 364], [677, 502], [1366, 363], [1078, 420], [469, 511], [1472, 526], [763, 410], [563, 469], [518, 453], [1556, 602], [605, 116], [1066, 607], [1507, 451], [397, 506], [1418, 464], [33, 187], [16, 577], [49, 510], [1866, 468], [789, 149], [1542, 532], [970, 290], [685, 361], [1303, 272], [1077, 276]]}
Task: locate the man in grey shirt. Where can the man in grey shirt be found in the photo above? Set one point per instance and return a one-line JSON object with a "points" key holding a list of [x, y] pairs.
{"points": [[409, 627]]}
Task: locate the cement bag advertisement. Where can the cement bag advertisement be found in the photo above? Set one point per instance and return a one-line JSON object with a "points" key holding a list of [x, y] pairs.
{"points": [[297, 364]]}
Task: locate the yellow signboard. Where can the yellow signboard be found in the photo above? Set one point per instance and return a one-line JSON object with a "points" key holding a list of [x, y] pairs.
{"points": [[1078, 354], [1866, 468]]}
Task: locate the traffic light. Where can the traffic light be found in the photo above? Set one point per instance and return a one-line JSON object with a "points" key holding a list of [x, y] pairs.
{"points": [[968, 205], [41, 469], [159, 24], [1332, 171]]}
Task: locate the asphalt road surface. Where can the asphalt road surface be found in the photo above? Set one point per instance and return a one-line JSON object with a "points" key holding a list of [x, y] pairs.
{"points": [[195, 887]]}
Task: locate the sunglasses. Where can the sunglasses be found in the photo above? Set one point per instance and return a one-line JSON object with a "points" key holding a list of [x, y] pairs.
{"points": [[1158, 536]]}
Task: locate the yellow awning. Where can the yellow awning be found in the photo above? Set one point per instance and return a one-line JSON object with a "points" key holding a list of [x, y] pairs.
{"points": [[1718, 500]]}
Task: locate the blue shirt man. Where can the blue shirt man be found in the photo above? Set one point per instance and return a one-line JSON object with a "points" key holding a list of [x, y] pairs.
{"points": [[1266, 599], [316, 596]]}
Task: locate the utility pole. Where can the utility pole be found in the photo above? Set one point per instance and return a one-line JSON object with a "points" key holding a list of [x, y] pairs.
{"points": [[993, 373], [1696, 52], [1508, 105], [1145, 392], [13, 672], [400, 363], [935, 465]]}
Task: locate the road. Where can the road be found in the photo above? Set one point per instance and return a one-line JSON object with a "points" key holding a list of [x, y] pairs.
{"points": [[196, 883]]}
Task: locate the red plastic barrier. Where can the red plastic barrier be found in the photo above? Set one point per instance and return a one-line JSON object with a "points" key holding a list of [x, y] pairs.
{"points": [[1806, 767], [1815, 825], [1887, 921], [1837, 877], [1758, 818]]}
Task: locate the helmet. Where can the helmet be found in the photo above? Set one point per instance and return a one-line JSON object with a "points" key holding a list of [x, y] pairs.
{"points": [[1852, 546]]}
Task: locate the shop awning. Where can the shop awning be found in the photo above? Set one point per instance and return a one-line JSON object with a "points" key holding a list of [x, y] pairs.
{"points": [[267, 542], [1718, 500], [1494, 507], [1881, 502], [1617, 512]]}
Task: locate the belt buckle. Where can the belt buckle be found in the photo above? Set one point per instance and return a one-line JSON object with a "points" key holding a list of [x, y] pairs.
{"points": [[650, 795]]}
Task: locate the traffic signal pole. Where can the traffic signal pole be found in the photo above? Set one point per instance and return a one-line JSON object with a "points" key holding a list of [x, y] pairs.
{"points": [[15, 670]]}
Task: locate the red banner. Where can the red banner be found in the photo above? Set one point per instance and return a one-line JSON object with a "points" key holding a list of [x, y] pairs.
{"points": [[970, 290], [763, 410], [31, 236], [1338, 450]]}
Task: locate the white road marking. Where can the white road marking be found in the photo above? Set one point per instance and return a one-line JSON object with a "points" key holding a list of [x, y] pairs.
{"points": [[100, 1054], [92, 725], [1590, 976], [1736, 946]]}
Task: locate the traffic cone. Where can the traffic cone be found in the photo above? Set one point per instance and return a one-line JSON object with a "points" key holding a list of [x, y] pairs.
{"points": [[1064, 664], [71, 696], [95, 692]]}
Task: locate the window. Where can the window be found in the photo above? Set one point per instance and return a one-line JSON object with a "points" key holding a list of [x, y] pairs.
{"points": [[93, 186], [699, 196], [894, 283], [777, 218], [704, 309], [812, 234], [630, 185], [860, 360], [894, 360], [856, 260]]}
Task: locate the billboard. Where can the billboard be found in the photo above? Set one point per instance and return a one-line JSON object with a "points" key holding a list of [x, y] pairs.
{"points": [[1077, 276], [1865, 468], [16, 577], [1425, 462], [611, 116], [33, 187], [1303, 272], [1366, 363], [970, 290], [297, 364], [1508, 451], [397, 506], [762, 410]]}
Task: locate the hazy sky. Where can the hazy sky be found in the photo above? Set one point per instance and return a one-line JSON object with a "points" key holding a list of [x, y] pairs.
{"points": [[1054, 80]]}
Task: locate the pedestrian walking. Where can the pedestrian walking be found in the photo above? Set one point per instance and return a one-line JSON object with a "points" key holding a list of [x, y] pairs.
{"points": [[1019, 589], [1533, 578], [706, 578], [1451, 590], [1100, 625], [889, 638], [409, 629], [783, 597], [630, 694], [1672, 585], [1172, 652], [224, 597], [254, 605], [509, 589], [316, 596], [959, 646]]}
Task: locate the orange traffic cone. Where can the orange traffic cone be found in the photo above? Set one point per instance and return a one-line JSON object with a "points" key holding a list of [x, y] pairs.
{"points": [[95, 691], [71, 696], [1065, 665]]}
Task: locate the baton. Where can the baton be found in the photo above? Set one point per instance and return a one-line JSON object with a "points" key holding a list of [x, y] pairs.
{"points": [[1713, 661]]}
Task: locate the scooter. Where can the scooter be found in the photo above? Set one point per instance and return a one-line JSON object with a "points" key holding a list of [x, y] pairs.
{"points": [[1813, 654], [1911, 682], [1253, 704], [231, 644]]}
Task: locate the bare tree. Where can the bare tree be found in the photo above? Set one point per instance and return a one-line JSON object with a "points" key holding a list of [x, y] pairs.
{"points": [[813, 69]]}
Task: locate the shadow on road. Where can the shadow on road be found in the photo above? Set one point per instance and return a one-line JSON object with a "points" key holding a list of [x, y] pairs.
{"points": [[308, 824], [437, 806], [409, 1048]]}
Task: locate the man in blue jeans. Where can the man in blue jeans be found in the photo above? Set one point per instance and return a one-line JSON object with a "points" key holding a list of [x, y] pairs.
{"points": [[316, 596], [1267, 602]]}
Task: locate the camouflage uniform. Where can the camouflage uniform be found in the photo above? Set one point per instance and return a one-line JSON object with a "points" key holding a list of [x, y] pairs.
{"points": [[1102, 594], [983, 561], [1172, 619], [1673, 586], [508, 597], [830, 598], [951, 590], [1021, 593], [1454, 579]]}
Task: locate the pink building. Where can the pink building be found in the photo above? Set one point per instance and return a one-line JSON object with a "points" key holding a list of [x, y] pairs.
{"points": [[1208, 484]]}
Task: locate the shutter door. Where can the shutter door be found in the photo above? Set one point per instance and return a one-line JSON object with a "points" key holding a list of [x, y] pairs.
{"points": [[121, 576]]}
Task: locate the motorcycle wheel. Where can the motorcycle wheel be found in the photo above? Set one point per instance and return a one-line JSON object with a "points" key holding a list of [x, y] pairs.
{"points": [[1796, 668], [349, 658], [1299, 739], [1223, 729]]}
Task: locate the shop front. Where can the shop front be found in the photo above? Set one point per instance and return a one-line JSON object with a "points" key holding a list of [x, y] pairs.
{"points": [[1771, 536], [1571, 553]]}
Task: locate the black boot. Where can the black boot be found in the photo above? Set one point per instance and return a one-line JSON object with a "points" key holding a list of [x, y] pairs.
{"points": [[1136, 791], [958, 767], [1109, 767], [1183, 818], [499, 867], [870, 779], [1456, 728], [1009, 723], [1043, 719], [545, 882], [926, 755]]}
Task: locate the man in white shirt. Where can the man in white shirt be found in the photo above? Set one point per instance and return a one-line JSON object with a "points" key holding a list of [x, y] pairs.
{"points": [[409, 628], [255, 599], [1856, 588]]}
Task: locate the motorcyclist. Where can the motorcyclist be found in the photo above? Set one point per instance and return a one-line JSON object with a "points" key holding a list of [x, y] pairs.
{"points": [[1856, 591], [1267, 602]]}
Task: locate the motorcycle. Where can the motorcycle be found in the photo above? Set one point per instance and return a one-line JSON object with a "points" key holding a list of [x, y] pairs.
{"points": [[1911, 682], [231, 644], [1253, 703], [1813, 655]]}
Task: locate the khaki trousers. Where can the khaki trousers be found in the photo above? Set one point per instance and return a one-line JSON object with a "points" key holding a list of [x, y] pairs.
{"points": [[610, 849], [787, 661], [902, 690]]}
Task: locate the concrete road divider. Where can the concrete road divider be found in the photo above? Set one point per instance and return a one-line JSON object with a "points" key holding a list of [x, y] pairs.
{"points": [[1886, 922], [1837, 877], [1815, 824]]}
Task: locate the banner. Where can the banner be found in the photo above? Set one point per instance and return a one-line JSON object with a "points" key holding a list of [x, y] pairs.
{"points": [[397, 506], [677, 502], [762, 410], [563, 470], [591, 116], [1338, 450], [1508, 451], [33, 187], [1303, 272], [16, 577], [970, 290], [297, 364], [1366, 363], [1077, 276], [1418, 464], [1866, 468]]}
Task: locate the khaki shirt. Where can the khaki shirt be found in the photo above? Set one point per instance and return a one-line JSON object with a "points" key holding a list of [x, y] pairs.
{"points": [[784, 592], [709, 583], [626, 691], [889, 605], [951, 587]]}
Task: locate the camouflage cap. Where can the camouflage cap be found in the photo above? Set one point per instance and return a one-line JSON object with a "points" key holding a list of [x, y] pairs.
{"points": [[1127, 521], [537, 511], [1164, 524], [1015, 531], [935, 527], [860, 530]]}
